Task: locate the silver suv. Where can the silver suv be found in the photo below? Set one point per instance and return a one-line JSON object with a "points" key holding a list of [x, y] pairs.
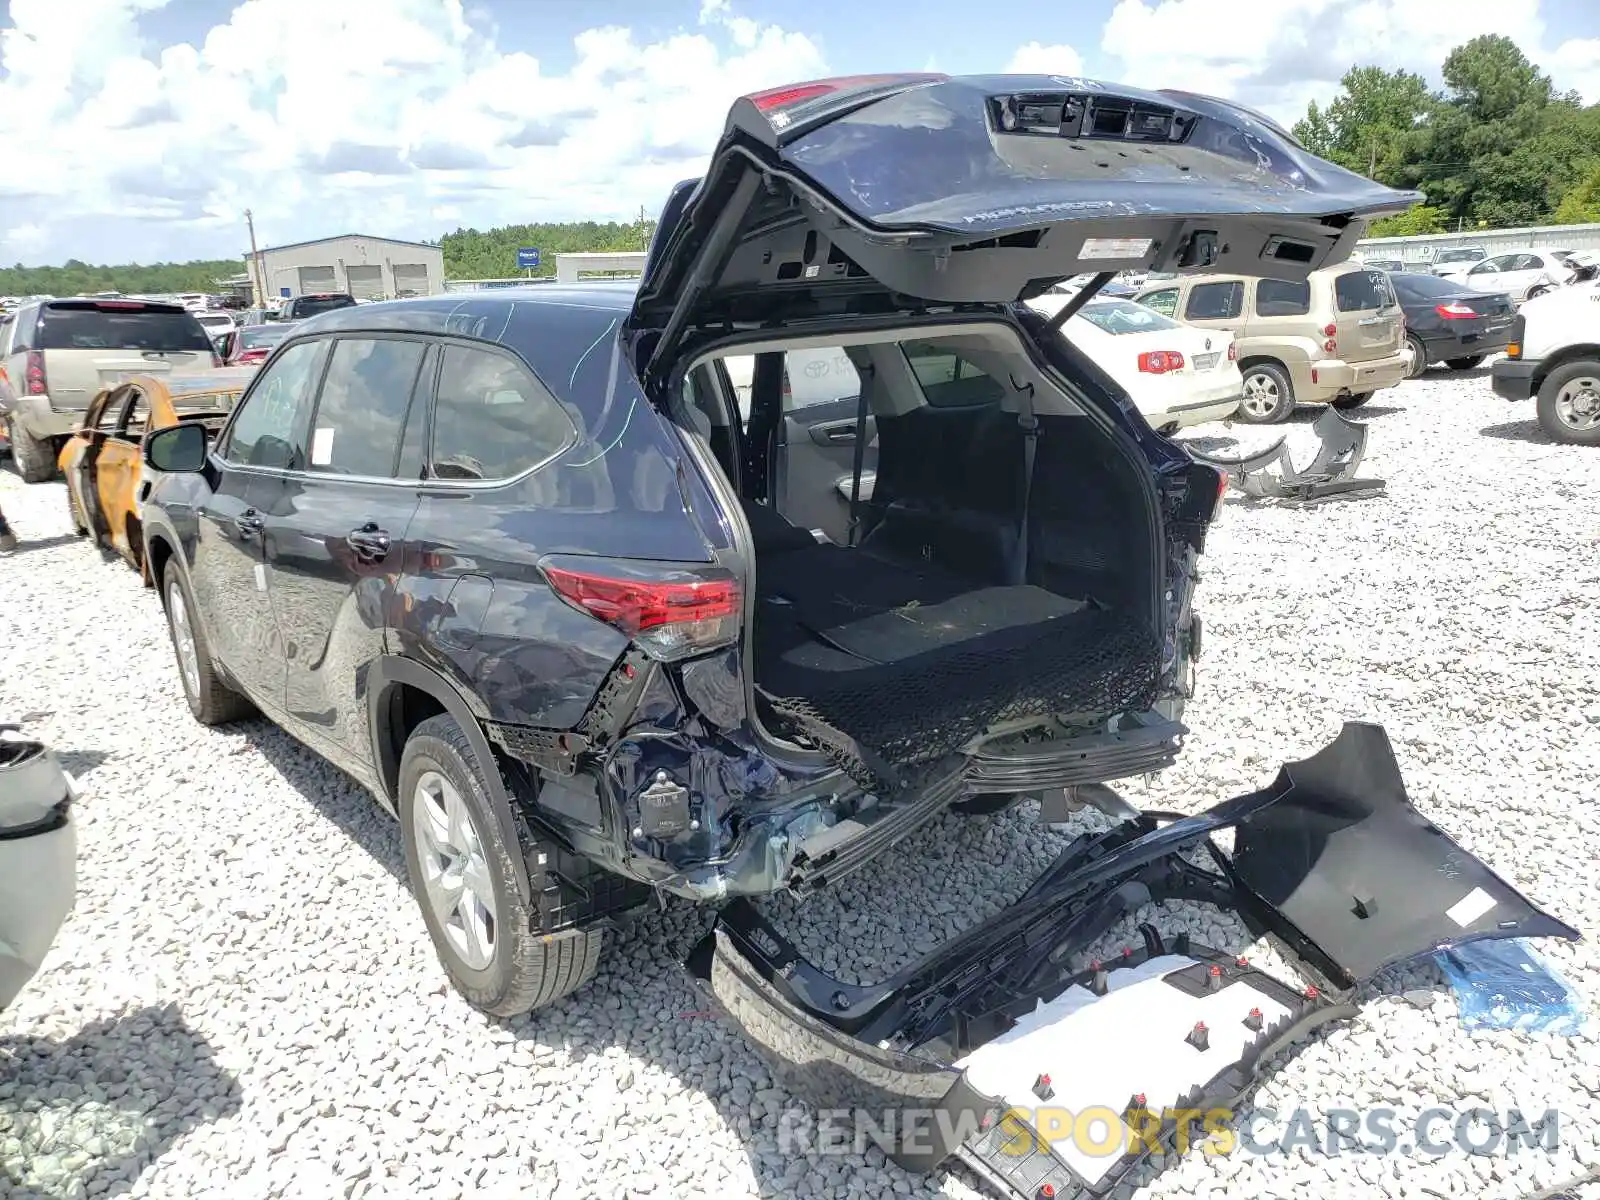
{"points": [[56, 355]]}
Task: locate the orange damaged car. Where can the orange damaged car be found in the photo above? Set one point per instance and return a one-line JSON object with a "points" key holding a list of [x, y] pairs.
{"points": [[103, 460]]}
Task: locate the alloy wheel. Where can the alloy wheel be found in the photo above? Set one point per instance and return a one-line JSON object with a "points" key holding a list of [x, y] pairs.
{"points": [[455, 870], [1578, 404], [1261, 397], [183, 640]]}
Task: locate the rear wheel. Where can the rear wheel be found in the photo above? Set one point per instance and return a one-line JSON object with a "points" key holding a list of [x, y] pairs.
{"points": [[1463, 364], [1419, 356], [1537, 291], [1267, 397], [1346, 403], [467, 881], [33, 457], [1569, 404]]}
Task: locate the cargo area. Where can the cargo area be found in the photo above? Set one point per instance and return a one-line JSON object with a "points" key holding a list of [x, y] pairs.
{"points": [[964, 592]]}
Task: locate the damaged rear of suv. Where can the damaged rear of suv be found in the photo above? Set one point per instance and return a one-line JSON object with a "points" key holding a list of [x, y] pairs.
{"points": [[653, 632]]}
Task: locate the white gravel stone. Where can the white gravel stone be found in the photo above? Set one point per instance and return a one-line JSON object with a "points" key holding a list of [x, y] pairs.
{"points": [[245, 1002]]}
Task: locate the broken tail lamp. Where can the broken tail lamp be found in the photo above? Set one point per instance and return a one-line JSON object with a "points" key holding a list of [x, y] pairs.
{"points": [[668, 612], [817, 99]]}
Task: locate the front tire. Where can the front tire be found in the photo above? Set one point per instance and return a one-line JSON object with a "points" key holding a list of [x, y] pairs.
{"points": [[1267, 397], [210, 700], [32, 456], [1569, 404], [466, 881]]}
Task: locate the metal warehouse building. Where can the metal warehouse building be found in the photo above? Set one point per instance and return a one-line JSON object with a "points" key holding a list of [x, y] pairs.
{"points": [[369, 268]]}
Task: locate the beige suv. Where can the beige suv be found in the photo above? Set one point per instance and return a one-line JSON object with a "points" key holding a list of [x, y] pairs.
{"points": [[56, 355], [1336, 337]]}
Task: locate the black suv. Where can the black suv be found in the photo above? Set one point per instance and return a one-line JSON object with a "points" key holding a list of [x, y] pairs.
{"points": [[297, 308], [593, 623]]}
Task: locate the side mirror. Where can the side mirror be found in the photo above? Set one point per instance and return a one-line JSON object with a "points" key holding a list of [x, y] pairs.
{"points": [[224, 343], [177, 449]]}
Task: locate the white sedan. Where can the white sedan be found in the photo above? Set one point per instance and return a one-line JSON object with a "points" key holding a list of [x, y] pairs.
{"points": [[1177, 375]]}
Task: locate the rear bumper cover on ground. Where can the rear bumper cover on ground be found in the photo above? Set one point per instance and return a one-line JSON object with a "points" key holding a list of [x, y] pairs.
{"points": [[1332, 473], [1331, 858], [1515, 378]]}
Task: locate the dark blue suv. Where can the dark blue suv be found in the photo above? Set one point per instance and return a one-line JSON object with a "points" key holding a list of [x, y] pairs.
{"points": [[723, 583]]}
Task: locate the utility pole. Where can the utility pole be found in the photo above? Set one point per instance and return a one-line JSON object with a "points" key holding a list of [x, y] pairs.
{"points": [[1372, 159], [258, 282]]}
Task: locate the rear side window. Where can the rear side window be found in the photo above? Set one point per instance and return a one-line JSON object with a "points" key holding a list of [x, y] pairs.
{"points": [[1214, 301], [818, 376], [1164, 302], [492, 419], [1282, 298], [89, 328], [948, 380], [362, 409], [1360, 291]]}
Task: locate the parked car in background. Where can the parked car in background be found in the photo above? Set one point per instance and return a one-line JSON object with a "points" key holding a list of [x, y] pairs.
{"points": [[1554, 358], [517, 562], [1177, 375], [1383, 264], [1448, 322], [103, 460], [216, 323], [1523, 274], [297, 308], [255, 343], [1456, 261], [58, 354], [1335, 337]]}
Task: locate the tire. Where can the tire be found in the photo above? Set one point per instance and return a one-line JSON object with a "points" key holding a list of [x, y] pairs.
{"points": [[1536, 291], [32, 457], [1464, 364], [210, 700], [520, 969], [1419, 356], [1569, 403], [1268, 397], [1346, 403]]}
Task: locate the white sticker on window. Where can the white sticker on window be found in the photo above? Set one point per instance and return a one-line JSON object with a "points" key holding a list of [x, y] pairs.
{"points": [[322, 446], [1107, 248], [1470, 907]]}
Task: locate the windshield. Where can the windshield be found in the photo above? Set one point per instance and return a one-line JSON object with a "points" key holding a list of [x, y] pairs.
{"points": [[1124, 316], [310, 306], [104, 328], [253, 336]]}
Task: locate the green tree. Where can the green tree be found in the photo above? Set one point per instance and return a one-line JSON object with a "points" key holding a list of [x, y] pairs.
{"points": [[1373, 125], [1581, 204], [1421, 219]]}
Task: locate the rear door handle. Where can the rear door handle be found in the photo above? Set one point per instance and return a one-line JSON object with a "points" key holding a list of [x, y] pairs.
{"points": [[370, 543], [249, 522]]}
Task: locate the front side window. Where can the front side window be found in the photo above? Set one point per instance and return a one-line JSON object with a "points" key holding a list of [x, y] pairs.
{"points": [[366, 392], [492, 418], [1214, 301], [270, 428], [1164, 302]]}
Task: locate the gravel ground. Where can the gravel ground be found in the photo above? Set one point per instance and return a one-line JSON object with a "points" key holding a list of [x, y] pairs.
{"points": [[246, 1003]]}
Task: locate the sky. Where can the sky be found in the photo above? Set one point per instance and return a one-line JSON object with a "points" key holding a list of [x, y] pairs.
{"points": [[141, 130]]}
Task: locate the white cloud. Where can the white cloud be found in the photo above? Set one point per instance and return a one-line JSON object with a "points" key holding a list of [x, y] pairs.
{"points": [[387, 116], [1034, 59], [1575, 64]]}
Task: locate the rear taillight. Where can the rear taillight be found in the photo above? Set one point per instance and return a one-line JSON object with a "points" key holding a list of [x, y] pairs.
{"points": [[1329, 331], [1233, 351], [1331, 346], [1454, 311], [33, 374], [668, 612], [1160, 362]]}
